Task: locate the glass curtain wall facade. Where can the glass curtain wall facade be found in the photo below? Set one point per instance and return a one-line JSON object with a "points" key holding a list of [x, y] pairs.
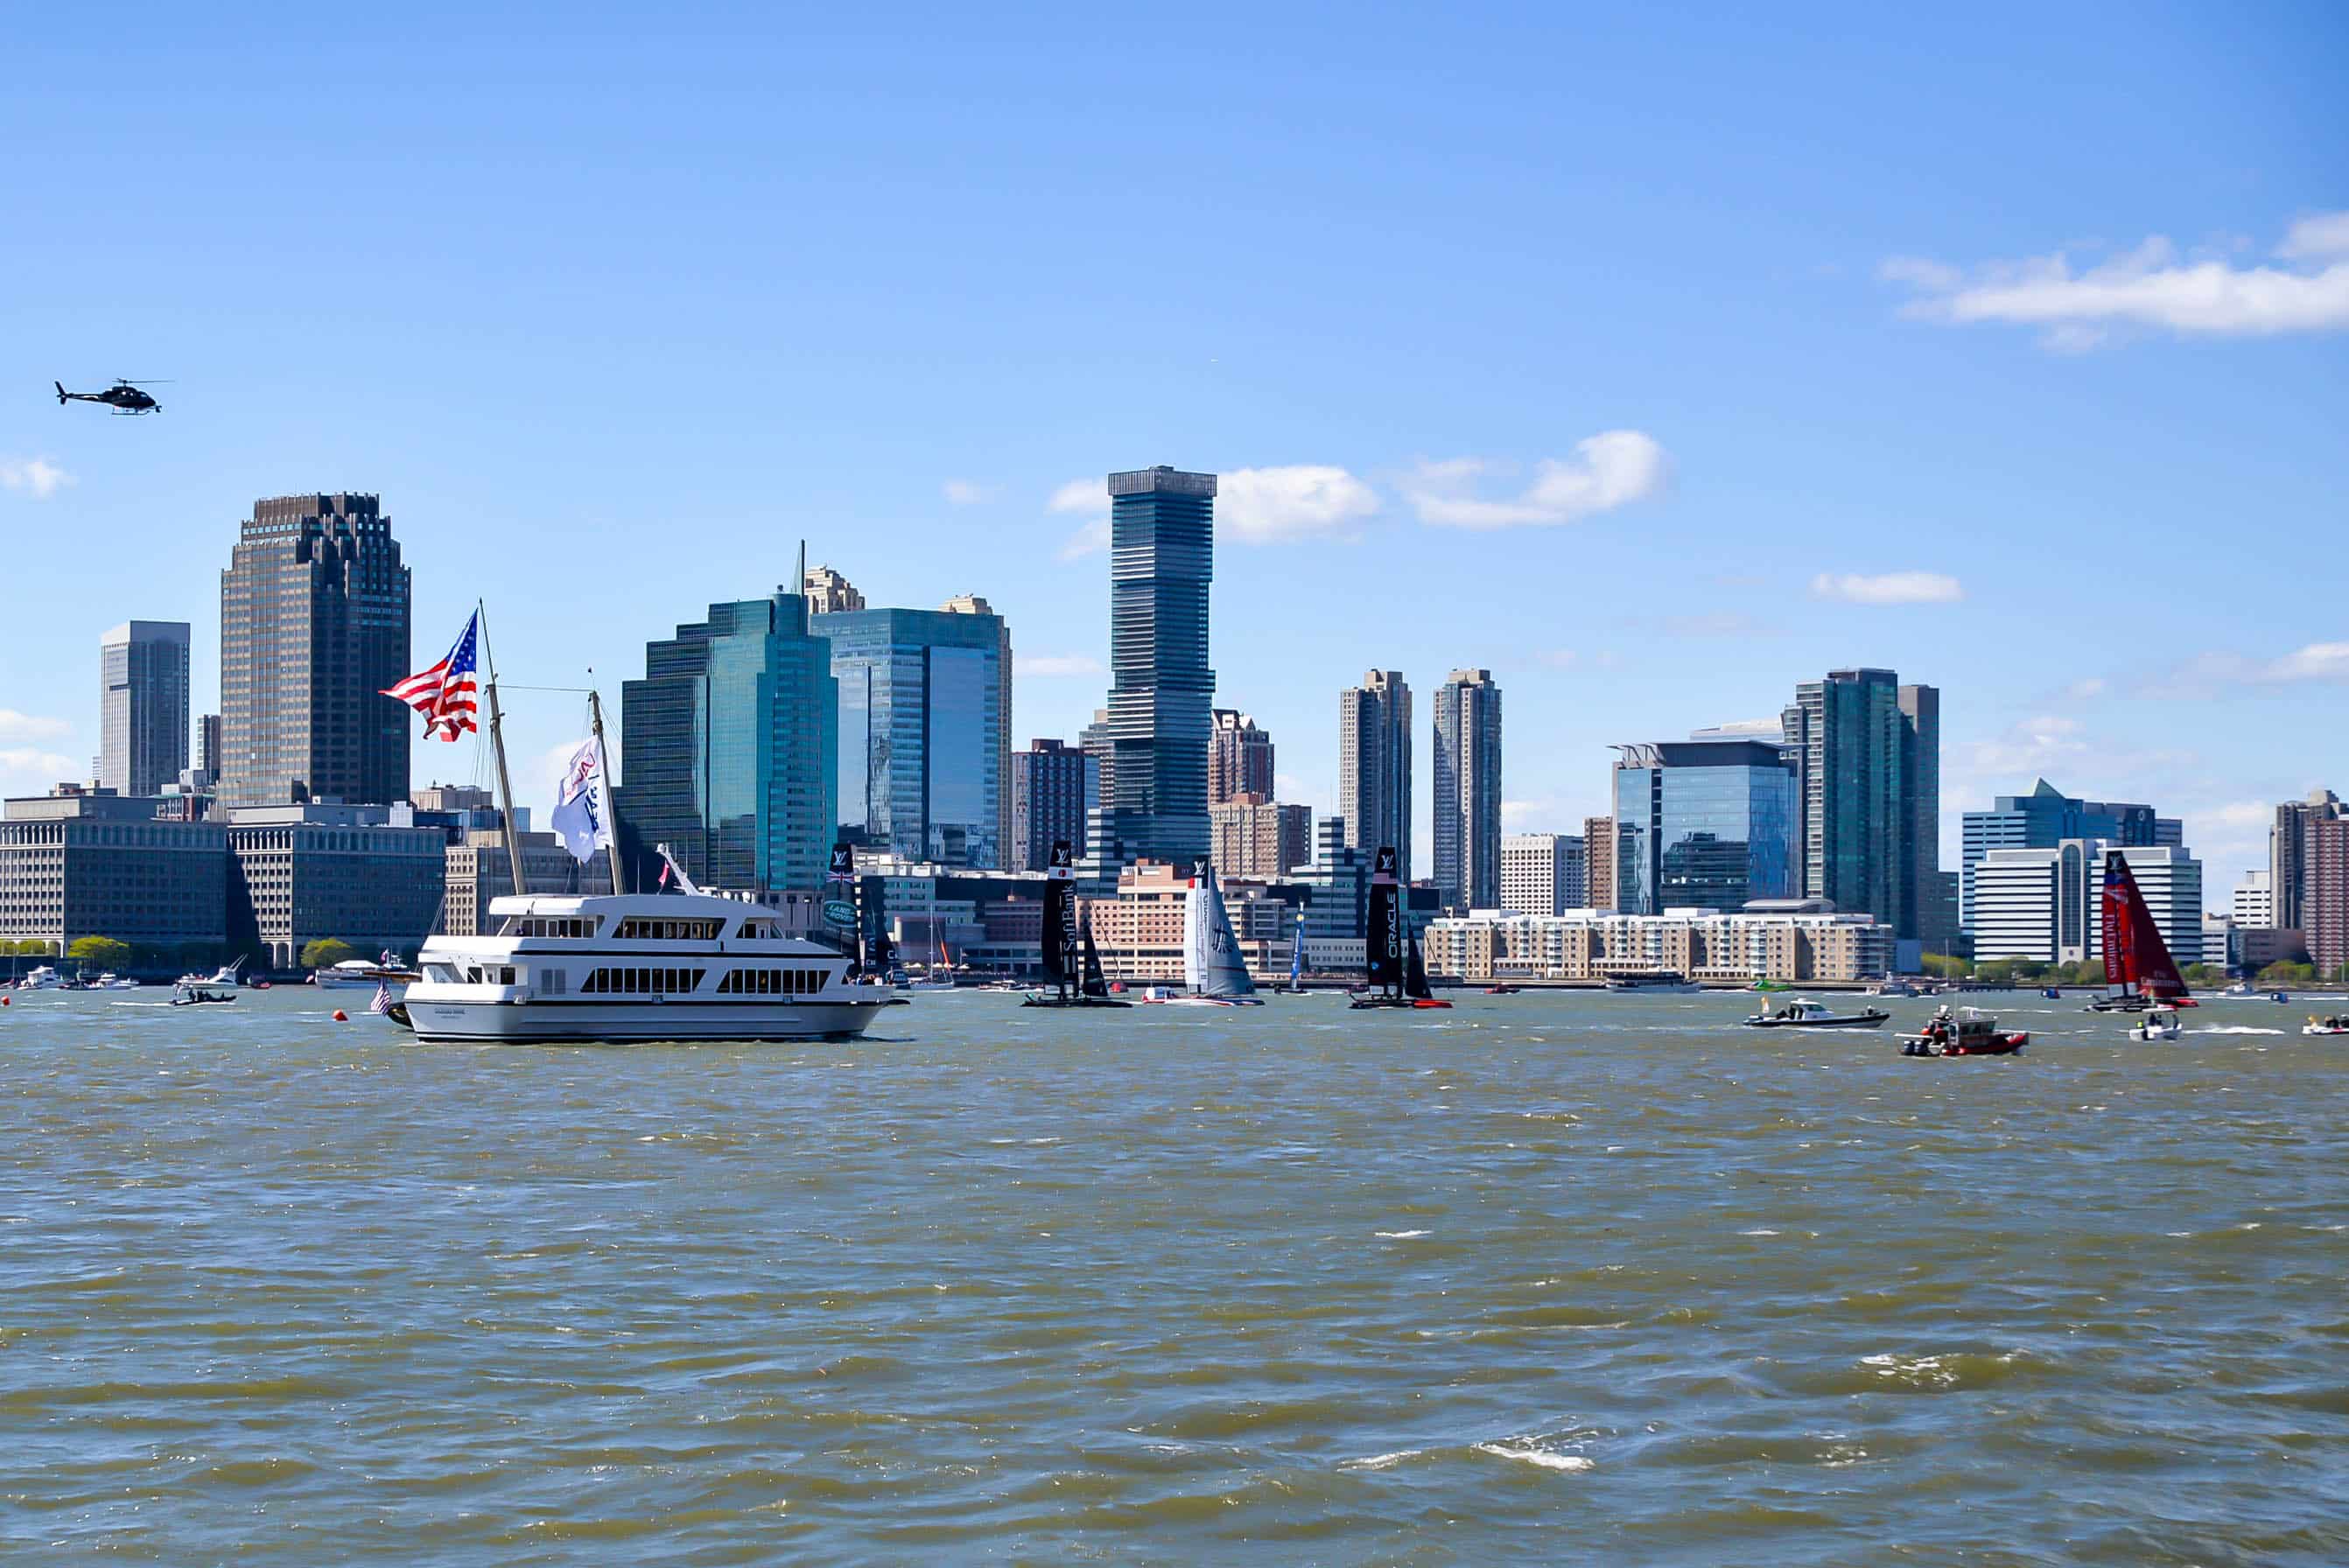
{"points": [[1468, 790], [143, 705], [1374, 766], [2040, 820], [1867, 759], [728, 751], [314, 626], [1162, 561], [923, 699], [1703, 825]]}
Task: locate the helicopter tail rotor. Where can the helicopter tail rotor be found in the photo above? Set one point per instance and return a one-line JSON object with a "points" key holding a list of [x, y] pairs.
{"points": [[61, 392]]}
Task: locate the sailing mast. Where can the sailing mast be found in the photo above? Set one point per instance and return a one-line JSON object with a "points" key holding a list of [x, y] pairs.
{"points": [[498, 750], [604, 776]]}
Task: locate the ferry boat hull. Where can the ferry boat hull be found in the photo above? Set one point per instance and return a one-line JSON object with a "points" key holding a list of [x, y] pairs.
{"points": [[518, 1022]]}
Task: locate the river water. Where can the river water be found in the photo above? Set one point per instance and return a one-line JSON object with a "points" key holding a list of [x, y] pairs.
{"points": [[1571, 1278]]}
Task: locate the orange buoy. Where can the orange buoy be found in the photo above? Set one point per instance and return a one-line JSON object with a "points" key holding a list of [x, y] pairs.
{"points": [[341, 1016]]}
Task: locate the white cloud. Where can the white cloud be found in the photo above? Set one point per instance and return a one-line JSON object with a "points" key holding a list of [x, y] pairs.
{"points": [[28, 771], [36, 476], [2316, 238], [2032, 746], [2316, 662], [2084, 690], [1057, 664], [1280, 505], [2150, 286], [15, 726], [1088, 499], [1888, 588], [1612, 469], [967, 492]]}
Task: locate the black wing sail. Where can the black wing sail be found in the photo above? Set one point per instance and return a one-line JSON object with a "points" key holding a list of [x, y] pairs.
{"points": [[1059, 917], [1384, 939], [1096, 980], [1414, 979]]}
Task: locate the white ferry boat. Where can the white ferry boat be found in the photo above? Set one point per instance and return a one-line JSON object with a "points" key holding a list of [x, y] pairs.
{"points": [[637, 967]]}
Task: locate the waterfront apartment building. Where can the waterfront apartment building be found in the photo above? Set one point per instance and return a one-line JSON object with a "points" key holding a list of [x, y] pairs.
{"points": [[1054, 789], [1252, 835], [2044, 819], [1162, 563], [2324, 892], [142, 723], [1543, 874], [1374, 766], [1239, 759], [2047, 903], [314, 626], [476, 869], [1866, 754], [728, 751], [2288, 854], [1703, 824], [924, 756], [1598, 859], [1796, 943], [81, 864], [1467, 782], [2252, 905]]}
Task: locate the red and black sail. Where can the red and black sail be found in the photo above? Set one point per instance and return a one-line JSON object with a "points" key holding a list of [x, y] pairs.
{"points": [[2135, 954]]}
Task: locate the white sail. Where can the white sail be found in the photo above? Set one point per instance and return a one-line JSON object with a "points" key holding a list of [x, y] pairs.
{"points": [[1211, 955]]}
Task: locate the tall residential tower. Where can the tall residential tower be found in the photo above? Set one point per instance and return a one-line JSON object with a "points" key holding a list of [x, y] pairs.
{"points": [[1468, 790], [1866, 751], [1374, 766]]}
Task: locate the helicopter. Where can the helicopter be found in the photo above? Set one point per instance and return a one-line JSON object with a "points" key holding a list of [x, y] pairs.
{"points": [[122, 397]]}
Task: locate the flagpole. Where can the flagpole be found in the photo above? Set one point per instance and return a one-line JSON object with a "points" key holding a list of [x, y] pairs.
{"points": [[498, 750], [604, 778]]}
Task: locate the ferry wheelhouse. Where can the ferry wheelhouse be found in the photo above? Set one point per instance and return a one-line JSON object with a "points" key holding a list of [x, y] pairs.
{"points": [[643, 966]]}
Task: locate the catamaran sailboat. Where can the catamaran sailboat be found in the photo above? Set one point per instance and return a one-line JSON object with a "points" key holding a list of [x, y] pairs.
{"points": [[1397, 976], [1069, 953], [1212, 967], [2137, 965]]}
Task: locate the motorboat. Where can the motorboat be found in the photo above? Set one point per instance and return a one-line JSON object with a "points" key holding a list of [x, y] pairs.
{"points": [[1971, 1032], [41, 977], [350, 975], [1894, 988], [2052, 993], [110, 981], [2336, 1024], [2161, 1024], [1501, 989], [641, 967], [2241, 988], [223, 979], [1805, 1015], [195, 994], [1661, 982]]}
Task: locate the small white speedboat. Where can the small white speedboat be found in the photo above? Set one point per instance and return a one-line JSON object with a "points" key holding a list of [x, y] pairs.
{"points": [[2334, 1025], [2161, 1024]]}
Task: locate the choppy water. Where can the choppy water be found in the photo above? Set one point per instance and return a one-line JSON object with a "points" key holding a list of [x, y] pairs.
{"points": [[1568, 1278]]}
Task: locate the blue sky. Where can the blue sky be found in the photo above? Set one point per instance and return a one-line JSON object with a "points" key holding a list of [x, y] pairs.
{"points": [[1654, 365]]}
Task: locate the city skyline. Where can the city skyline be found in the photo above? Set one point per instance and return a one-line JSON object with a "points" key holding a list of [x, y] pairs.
{"points": [[1831, 443]]}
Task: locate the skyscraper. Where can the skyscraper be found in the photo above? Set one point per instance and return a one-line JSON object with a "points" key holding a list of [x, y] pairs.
{"points": [[1239, 759], [314, 626], [1868, 760], [1599, 861], [1162, 559], [208, 744], [2288, 854], [1702, 824], [143, 705], [1054, 787], [1374, 766], [2324, 893], [1255, 836], [728, 750], [1543, 874], [1468, 790], [923, 753]]}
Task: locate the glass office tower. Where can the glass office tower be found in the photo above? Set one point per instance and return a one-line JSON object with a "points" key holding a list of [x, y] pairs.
{"points": [[923, 699], [142, 727], [728, 751], [1703, 824], [1162, 559]]}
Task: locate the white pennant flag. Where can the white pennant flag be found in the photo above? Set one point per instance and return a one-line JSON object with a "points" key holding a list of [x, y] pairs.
{"points": [[583, 803]]}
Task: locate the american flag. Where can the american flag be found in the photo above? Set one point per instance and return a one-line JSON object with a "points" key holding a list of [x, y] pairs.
{"points": [[382, 1003], [444, 693]]}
